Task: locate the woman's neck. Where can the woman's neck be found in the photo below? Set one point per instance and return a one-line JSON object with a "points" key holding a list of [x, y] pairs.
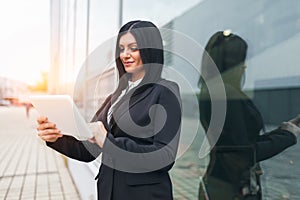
{"points": [[136, 77]]}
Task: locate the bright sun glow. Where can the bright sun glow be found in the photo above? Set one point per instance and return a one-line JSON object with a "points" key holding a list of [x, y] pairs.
{"points": [[24, 39]]}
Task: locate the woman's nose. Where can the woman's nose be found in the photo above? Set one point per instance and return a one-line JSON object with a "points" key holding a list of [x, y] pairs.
{"points": [[126, 53]]}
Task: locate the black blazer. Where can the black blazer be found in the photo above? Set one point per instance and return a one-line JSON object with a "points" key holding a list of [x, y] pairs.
{"points": [[240, 145], [134, 181]]}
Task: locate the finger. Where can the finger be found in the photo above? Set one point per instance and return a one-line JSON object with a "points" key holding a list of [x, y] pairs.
{"points": [[287, 124], [296, 120], [50, 138], [43, 135], [94, 126], [49, 132], [103, 129], [42, 119], [44, 126], [291, 124], [92, 140], [95, 134], [100, 123]]}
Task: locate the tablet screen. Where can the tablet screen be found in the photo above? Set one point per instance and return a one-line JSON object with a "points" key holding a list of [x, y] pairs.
{"points": [[61, 110]]}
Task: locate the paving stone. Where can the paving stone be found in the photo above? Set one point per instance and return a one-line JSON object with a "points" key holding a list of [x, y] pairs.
{"points": [[28, 168]]}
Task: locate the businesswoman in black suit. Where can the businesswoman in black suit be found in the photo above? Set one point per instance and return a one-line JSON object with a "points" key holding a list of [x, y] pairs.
{"points": [[233, 171], [138, 125]]}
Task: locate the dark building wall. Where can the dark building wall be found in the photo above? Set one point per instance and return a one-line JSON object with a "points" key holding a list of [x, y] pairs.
{"points": [[277, 105], [271, 29]]}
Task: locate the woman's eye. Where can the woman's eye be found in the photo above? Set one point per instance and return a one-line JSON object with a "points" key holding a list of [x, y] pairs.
{"points": [[134, 48], [129, 49]]}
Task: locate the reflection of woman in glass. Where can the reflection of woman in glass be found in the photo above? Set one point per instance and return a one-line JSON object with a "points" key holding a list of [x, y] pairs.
{"points": [[233, 171], [138, 125]]}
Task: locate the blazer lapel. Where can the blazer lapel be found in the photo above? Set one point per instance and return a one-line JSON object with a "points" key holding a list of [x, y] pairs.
{"points": [[128, 101], [104, 119]]}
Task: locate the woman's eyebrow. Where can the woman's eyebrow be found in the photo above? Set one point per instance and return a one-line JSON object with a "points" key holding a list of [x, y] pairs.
{"points": [[133, 43]]}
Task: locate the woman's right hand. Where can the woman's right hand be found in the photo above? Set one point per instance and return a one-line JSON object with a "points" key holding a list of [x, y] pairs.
{"points": [[296, 120], [288, 126], [47, 131]]}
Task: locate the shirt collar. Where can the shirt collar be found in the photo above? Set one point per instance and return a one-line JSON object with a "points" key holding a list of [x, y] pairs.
{"points": [[132, 84]]}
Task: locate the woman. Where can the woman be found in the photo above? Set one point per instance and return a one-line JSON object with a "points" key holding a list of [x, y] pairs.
{"points": [[233, 171], [138, 139]]}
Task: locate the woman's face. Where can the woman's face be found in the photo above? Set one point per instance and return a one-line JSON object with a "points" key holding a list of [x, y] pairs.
{"points": [[130, 56]]}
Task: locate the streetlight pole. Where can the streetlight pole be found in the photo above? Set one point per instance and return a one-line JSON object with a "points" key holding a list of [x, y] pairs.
{"points": [[120, 13], [86, 69]]}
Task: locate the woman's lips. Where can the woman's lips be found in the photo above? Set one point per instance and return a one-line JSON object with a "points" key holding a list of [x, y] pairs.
{"points": [[128, 63]]}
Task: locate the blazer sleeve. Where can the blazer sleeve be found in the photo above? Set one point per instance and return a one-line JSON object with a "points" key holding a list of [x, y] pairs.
{"points": [[274, 142], [165, 140], [73, 148], [265, 146], [80, 150]]}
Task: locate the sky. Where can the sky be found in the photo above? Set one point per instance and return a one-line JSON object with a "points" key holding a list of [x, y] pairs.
{"points": [[24, 39]]}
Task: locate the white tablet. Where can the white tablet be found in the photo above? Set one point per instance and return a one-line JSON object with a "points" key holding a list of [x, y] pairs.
{"points": [[61, 110]]}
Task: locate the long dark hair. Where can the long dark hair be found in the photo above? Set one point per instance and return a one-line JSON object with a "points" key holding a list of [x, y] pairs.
{"points": [[150, 45], [228, 53]]}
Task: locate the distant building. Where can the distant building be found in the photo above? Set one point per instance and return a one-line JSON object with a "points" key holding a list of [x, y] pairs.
{"points": [[271, 29], [11, 89]]}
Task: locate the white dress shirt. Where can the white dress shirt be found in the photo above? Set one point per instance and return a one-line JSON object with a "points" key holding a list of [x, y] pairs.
{"points": [[130, 86]]}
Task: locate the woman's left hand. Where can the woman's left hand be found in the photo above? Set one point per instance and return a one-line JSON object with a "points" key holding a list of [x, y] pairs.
{"points": [[99, 132]]}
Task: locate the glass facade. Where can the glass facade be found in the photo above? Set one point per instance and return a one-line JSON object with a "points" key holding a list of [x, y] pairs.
{"points": [[82, 52], [271, 30], [78, 28]]}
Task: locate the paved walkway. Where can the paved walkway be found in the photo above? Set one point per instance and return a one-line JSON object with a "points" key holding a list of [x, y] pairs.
{"points": [[29, 169], [281, 178], [186, 172]]}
